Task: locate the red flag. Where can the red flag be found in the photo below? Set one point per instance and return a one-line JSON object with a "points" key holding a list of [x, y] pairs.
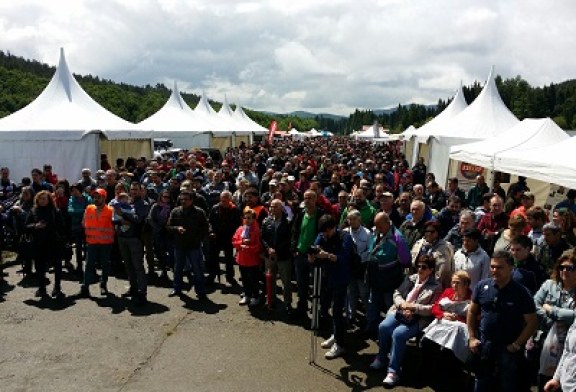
{"points": [[273, 128]]}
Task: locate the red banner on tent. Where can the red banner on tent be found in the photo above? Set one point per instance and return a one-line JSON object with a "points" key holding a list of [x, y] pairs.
{"points": [[273, 128]]}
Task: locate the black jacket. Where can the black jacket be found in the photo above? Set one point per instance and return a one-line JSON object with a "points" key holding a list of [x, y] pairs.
{"points": [[277, 238], [194, 220], [224, 221]]}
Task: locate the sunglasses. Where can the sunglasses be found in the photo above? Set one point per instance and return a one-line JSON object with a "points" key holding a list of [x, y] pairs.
{"points": [[423, 267], [567, 268]]}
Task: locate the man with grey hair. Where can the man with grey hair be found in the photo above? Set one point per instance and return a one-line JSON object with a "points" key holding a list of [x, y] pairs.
{"points": [[87, 180], [413, 228], [388, 255], [357, 287], [455, 234], [554, 246]]}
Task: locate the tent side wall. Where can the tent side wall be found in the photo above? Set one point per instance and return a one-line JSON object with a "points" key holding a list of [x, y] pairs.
{"points": [[221, 143], [188, 140], [120, 148], [67, 157]]}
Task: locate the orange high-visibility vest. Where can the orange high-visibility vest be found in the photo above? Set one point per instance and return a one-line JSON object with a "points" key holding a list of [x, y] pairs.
{"points": [[98, 225]]}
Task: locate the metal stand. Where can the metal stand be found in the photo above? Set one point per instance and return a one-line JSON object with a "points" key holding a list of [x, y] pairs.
{"points": [[315, 326]]}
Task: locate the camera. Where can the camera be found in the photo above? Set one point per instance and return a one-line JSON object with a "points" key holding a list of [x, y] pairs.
{"points": [[314, 250]]}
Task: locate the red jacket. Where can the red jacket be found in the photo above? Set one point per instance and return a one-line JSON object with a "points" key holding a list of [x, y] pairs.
{"points": [[249, 254], [438, 313]]}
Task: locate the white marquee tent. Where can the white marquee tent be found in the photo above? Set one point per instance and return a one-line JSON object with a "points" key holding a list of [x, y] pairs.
{"points": [[65, 127], [374, 133], [528, 134], [176, 121], [554, 163], [417, 140], [253, 126], [486, 117]]}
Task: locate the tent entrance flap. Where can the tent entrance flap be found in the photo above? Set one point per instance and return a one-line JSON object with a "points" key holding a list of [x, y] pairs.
{"points": [[115, 149]]}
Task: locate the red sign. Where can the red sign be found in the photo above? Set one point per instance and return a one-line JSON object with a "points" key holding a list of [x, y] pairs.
{"points": [[469, 171], [273, 128]]}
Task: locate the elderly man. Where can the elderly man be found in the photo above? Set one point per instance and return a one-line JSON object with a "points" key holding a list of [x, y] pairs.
{"points": [[87, 180], [413, 229], [493, 223], [508, 319], [357, 289], [388, 254], [456, 233]]}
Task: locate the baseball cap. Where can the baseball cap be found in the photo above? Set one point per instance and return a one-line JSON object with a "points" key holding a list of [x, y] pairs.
{"points": [[101, 192]]}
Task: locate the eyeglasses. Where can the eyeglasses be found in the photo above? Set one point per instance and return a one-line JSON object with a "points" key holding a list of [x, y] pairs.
{"points": [[567, 268], [423, 267]]}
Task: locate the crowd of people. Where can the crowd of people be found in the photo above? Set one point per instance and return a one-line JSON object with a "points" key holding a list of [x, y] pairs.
{"points": [[484, 279]]}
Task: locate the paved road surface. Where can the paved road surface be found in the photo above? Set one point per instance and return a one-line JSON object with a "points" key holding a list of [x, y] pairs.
{"points": [[173, 344]]}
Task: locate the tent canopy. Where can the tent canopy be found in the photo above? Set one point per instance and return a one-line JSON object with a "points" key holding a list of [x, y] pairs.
{"points": [[64, 111], [527, 134], [486, 117], [440, 122], [553, 163]]}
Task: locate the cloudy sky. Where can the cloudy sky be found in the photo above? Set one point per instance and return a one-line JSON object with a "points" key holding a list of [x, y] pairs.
{"points": [[318, 55]]}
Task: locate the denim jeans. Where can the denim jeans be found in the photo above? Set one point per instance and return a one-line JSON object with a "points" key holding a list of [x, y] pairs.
{"points": [[189, 258], [379, 301], [97, 254], [398, 333], [163, 250], [250, 282], [508, 365]]}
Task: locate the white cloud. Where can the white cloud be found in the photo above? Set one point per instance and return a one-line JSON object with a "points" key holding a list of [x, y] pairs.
{"points": [[284, 55]]}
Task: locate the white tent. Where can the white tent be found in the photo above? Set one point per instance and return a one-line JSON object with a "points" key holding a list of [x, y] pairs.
{"points": [[554, 163], [528, 134], [254, 127], [416, 139], [177, 122], [64, 126], [486, 117], [242, 131], [313, 133], [375, 133], [441, 122]]}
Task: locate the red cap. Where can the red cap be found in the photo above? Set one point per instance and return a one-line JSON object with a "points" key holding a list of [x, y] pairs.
{"points": [[101, 192]]}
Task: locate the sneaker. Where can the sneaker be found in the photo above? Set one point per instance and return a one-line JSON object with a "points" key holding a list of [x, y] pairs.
{"points": [[243, 301], [328, 343], [174, 293], [390, 380], [254, 302], [376, 364], [103, 290], [335, 352]]}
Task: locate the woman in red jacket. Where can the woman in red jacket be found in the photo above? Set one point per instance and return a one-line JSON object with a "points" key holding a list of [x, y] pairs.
{"points": [[445, 340], [248, 246]]}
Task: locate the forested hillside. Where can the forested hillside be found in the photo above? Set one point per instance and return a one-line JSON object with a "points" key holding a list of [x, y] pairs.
{"points": [[21, 81]]}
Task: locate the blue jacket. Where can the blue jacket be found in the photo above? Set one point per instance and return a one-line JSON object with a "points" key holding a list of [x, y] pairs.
{"points": [[342, 245]]}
